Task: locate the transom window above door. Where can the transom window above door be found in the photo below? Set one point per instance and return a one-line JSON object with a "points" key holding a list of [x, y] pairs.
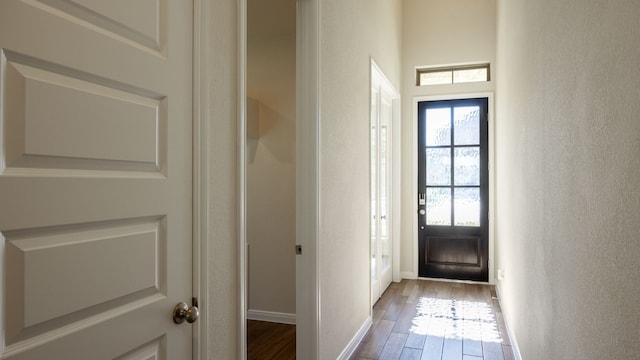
{"points": [[443, 75]]}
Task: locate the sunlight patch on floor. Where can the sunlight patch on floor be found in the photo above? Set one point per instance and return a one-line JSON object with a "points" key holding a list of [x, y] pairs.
{"points": [[455, 319]]}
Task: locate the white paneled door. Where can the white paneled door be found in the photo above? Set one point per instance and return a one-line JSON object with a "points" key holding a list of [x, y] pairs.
{"points": [[382, 116], [95, 178]]}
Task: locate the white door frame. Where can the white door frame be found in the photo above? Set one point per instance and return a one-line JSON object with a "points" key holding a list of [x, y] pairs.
{"points": [[308, 321], [243, 261], [204, 11], [200, 172], [201, 169], [414, 180]]}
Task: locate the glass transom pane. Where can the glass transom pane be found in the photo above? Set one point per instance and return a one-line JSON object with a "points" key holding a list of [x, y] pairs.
{"points": [[438, 166], [466, 123], [436, 78], [466, 205], [466, 166], [438, 127], [470, 75], [438, 206]]}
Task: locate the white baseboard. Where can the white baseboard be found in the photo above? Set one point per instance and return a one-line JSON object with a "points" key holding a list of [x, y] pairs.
{"points": [[408, 275], [512, 337], [271, 316], [355, 341]]}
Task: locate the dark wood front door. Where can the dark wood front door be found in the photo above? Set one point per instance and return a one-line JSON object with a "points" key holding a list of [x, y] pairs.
{"points": [[453, 189]]}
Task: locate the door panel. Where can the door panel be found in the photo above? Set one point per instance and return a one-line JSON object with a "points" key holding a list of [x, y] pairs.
{"points": [[386, 118], [95, 178], [453, 186], [456, 250], [96, 246], [373, 194], [140, 22], [52, 132], [382, 96]]}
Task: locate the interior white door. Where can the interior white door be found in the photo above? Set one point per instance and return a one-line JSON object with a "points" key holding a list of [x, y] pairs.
{"points": [[376, 290], [95, 178], [381, 183], [384, 191]]}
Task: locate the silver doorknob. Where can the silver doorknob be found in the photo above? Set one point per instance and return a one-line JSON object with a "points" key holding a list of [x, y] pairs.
{"points": [[183, 312]]}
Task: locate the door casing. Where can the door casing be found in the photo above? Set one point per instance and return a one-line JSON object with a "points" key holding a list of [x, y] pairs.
{"points": [[201, 169], [414, 177]]}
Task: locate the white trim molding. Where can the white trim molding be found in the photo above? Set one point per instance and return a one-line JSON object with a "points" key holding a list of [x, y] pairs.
{"points": [[351, 347], [201, 171], [408, 275], [242, 178], [308, 177], [271, 316], [512, 338]]}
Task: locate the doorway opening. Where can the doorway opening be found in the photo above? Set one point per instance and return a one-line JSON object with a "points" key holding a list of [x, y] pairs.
{"points": [[270, 113]]}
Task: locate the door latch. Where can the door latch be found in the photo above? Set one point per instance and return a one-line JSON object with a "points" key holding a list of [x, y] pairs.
{"points": [[298, 249]]}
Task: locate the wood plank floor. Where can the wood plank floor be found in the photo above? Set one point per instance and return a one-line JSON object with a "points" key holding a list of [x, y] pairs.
{"points": [[433, 320], [270, 341]]}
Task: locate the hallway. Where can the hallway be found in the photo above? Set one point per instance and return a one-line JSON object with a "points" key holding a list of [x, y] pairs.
{"points": [[433, 320]]}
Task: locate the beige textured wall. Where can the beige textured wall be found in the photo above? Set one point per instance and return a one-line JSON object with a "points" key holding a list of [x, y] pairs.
{"points": [[222, 297], [271, 80], [437, 32], [351, 32], [568, 164]]}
